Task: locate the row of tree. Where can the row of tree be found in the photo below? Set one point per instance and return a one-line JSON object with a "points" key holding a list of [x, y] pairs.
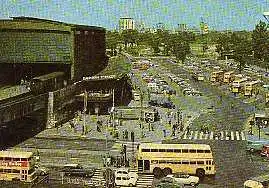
{"points": [[243, 46]]}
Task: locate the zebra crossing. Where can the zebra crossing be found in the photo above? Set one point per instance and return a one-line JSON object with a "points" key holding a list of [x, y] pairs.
{"points": [[221, 135], [98, 178], [145, 180]]}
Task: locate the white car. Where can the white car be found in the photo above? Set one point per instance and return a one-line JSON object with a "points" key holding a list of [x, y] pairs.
{"points": [[124, 177], [184, 179]]}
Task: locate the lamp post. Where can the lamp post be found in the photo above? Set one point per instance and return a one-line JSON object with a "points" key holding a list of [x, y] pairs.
{"points": [[84, 112]]}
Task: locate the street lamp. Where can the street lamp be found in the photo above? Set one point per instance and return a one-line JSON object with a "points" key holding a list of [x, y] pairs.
{"points": [[266, 16]]}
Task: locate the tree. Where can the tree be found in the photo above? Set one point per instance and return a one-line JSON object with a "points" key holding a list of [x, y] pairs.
{"points": [[112, 41], [223, 45], [181, 49], [260, 39]]}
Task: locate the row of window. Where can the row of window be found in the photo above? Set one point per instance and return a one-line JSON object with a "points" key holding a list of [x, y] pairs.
{"points": [[9, 171], [177, 150], [182, 162], [13, 159]]}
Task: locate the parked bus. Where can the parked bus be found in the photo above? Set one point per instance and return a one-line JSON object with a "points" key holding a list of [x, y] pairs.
{"points": [[164, 159], [252, 88], [228, 77], [238, 85], [217, 76], [257, 182], [17, 165]]}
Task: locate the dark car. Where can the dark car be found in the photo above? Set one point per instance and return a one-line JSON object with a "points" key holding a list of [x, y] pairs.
{"points": [[77, 170], [168, 182]]}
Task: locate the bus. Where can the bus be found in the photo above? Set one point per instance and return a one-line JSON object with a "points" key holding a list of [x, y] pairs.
{"points": [[217, 76], [164, 159], [228, 77], [17, 165], [238, 85], [252, 88], [257, 182]]}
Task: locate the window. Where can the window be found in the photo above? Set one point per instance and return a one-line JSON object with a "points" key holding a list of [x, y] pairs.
{"points": [[177, 162], [154, 150], [177, 150], [200, 162], [170, 150], [15, 171], [192, 162], [1, 170], [161, 161], [162, 150], [192, 151], [118, 178], [7, 170], [145, 150], [170, 162], [23, 159], [207, 151], [1, 158], [8, 159], [185, 151], [16, 159], [200, 151], [185, 162], [124, 178], [154, 162]]}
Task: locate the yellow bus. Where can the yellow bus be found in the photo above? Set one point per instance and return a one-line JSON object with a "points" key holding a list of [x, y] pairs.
{"points": [[228, 77], [238, 85], [252, 88], [217, 76], [17, 165], [163, 159], [257, 182]]}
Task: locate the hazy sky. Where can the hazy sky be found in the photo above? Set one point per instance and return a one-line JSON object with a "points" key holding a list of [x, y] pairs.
{"points": [[219, 14]]}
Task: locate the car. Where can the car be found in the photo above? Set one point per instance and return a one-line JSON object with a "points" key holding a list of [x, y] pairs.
{"points": [[167, 182], [124, 177], [255, 144], [77, 170], [184, 179]]}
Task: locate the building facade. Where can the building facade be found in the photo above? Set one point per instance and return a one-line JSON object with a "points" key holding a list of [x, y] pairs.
{"points": [[126, 24]]}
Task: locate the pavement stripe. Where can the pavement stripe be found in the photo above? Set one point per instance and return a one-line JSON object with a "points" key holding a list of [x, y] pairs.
{"points": [[237, 135], [201, 135], [211, 135], [227, 137], [243, 136], [190, 137], [232, 135], [222, 135], [195, 135]]}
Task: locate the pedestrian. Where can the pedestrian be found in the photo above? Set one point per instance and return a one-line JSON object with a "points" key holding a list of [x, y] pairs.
{"points": [[164, 133], [188, 130]]}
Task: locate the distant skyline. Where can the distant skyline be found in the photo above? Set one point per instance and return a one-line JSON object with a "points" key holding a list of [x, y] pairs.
{"points": [[219, 14]]}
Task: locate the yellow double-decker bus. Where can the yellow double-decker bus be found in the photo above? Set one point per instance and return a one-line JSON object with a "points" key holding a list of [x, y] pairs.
{"points": [[217, 76], [252, 88], [17, 165], [163, 159], [228, 77], [238, 85]]}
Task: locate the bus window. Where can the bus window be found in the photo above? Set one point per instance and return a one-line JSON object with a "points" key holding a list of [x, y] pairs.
{"points": [[185, 162], [200, 151], [154, 150], [162, 162], [177, 150], [1, 158], [15, 171], [192, 162], [185, 151], [192, 151], [8, 159], [161, 150], [23, 159], [16, 159], [154, 162], [207, 151], [7, 170], [170, 150], [145, 150], [200, 162]]}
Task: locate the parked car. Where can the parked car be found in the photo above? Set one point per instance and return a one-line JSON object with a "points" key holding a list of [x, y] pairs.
{"points": [[77, 170], [168, 182], [184, 179], [124, 177]]}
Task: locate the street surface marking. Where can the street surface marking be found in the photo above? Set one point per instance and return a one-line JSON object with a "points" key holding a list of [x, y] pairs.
{"points": [[190, 137], [243, 136], [227, 136], [222, 135], [201, 135], [232, 135], [195, 135], [211, 135], [237, 135]]}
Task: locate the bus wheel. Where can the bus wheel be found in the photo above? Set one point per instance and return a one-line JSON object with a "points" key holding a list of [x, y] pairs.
{"points": [[158, 173], [200, 172], [167, 171]]}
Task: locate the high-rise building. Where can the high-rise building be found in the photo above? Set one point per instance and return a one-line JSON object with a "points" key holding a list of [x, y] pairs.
{"points": [[126, 24], [182, 27]]}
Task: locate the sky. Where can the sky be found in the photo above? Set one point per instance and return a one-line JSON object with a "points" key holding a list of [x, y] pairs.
{"points": [[219, 14]]}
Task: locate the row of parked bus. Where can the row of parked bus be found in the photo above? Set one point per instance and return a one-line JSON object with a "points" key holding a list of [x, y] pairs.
{"points": [[238, 83]]}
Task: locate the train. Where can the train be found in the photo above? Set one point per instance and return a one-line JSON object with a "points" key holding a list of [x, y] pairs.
{"points": [[46, 83]]}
